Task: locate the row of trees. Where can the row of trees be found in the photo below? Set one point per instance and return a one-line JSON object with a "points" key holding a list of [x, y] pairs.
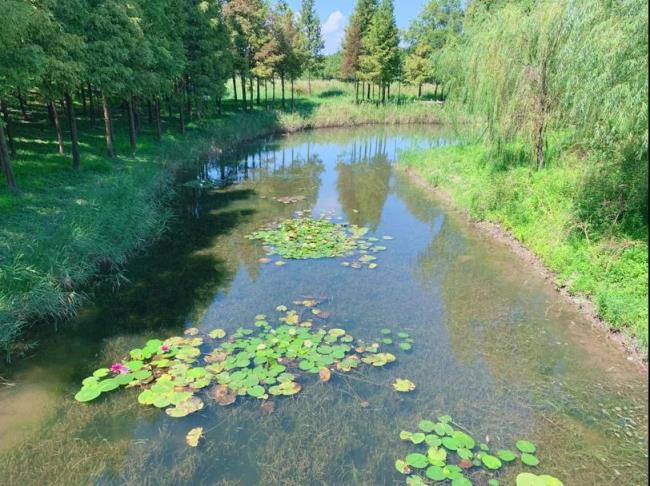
{"points": [[146, 53]]}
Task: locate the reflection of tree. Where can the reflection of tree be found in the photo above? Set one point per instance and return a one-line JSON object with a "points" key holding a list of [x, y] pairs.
{"points": [[418, 201], [363, 184]]}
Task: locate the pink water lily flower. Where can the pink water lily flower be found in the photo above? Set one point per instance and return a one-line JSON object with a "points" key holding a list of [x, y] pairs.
{"points": [[164, 348], [119, 369]]}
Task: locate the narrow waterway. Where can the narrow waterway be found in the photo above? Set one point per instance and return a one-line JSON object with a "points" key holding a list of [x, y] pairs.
{"points": [[494, 346]]}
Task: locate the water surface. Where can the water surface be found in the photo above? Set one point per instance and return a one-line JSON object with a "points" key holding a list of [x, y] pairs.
{"points": [[495, 346]]}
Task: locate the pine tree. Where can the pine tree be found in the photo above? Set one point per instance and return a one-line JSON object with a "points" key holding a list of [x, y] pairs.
{"points": [[310, 26]]}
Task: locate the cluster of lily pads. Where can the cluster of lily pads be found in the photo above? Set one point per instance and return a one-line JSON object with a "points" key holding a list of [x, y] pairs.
{"points": [[404, 340], [453, 455], [260, 362], [305, 237]]}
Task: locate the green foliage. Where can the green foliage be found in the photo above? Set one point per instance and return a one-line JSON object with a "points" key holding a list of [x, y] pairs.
{"points": [[380, 61], [543, 209]]}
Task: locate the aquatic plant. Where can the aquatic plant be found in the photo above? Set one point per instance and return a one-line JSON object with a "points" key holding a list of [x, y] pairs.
{"points": [[451, 454], [305, 237], [257, 363]]}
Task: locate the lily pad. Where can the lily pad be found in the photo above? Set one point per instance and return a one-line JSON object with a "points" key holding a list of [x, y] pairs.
{"points": [[506, 455], [403, 385], [417, 460], [529, 459], [402, 467], [87, 394], [526, 446], [490, 461], [193, 436], [426, 425]]}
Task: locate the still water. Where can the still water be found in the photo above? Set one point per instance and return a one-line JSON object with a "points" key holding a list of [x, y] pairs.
{"points": [[495, 346]]}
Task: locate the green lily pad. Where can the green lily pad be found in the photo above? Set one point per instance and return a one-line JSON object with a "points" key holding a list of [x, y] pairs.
{"points": [[414, 480], [417, 460], [525, 446], [437, 456], [530, 479], [462, 481], [490, 461], [402, 467], [506, 455], [87, 394], [101, 372], [426, 426], [529, 459], [256, 391], [405, 346], [108, 385], [435, 473]]}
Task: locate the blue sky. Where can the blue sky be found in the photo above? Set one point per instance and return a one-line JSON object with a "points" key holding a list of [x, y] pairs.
{"points": [[334, 16]]}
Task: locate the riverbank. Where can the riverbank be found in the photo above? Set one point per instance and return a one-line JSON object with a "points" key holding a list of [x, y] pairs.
{"points": [[606, 275], [66, 226]]}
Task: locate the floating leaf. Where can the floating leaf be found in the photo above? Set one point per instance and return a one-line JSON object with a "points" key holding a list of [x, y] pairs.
{"points": [[403, 385], [324, 374], [414, 480], [402, 467], [506, 455], [437, 456], [435, 473], [461, 481], [530, 479], [529, 459], [87, 394], [417, 460], [426, 426], [217, 333], [525, 446], [193, 436], [490, 461]]}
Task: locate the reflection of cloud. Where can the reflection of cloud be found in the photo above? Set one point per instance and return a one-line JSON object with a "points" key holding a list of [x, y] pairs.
{"points": [[332, 30]]}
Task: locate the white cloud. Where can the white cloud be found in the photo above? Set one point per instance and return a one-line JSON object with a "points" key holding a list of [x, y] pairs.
{"points": [[332, 31]]}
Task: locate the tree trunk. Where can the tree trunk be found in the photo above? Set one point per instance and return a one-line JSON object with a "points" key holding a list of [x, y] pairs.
{"points": [[388, 91], [258, 92], [136, 114], [5, 161], [356, 91], [250, 86], [435, 92], [57, 125], [368, 91], [273, 92], [309, 82], [243, 91], [50, 115], [91, 99], [10, 135], [82, 93], [150, 112], [266, 95], [157, 118], [282, 88], [73, 132], [170, 109], [419, 90], [23, 107], [108, 127], [292, 101], [234, 87], [132, 131], [181, 114], [188, 93]]}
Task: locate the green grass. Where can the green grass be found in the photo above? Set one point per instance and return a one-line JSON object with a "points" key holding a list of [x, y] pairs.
{"points": [[67, 226], [540, 208]]}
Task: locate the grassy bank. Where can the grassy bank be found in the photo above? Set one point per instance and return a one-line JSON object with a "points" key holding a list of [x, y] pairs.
{"points": [[540, 208], [66, 226]]}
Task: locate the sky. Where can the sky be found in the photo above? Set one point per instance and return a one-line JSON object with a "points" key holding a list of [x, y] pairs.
{"points": [[334, 16]]}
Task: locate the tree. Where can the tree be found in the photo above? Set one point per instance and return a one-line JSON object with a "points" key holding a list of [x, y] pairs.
{"points": [[310, 26], [418, 67], [353, 48], [20, 65], [381, 58], [291, 45]]}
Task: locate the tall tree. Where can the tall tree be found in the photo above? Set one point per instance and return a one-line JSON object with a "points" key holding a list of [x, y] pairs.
{"points": [[418, 67], [310, 26], [381, 58], [353, 48]]}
